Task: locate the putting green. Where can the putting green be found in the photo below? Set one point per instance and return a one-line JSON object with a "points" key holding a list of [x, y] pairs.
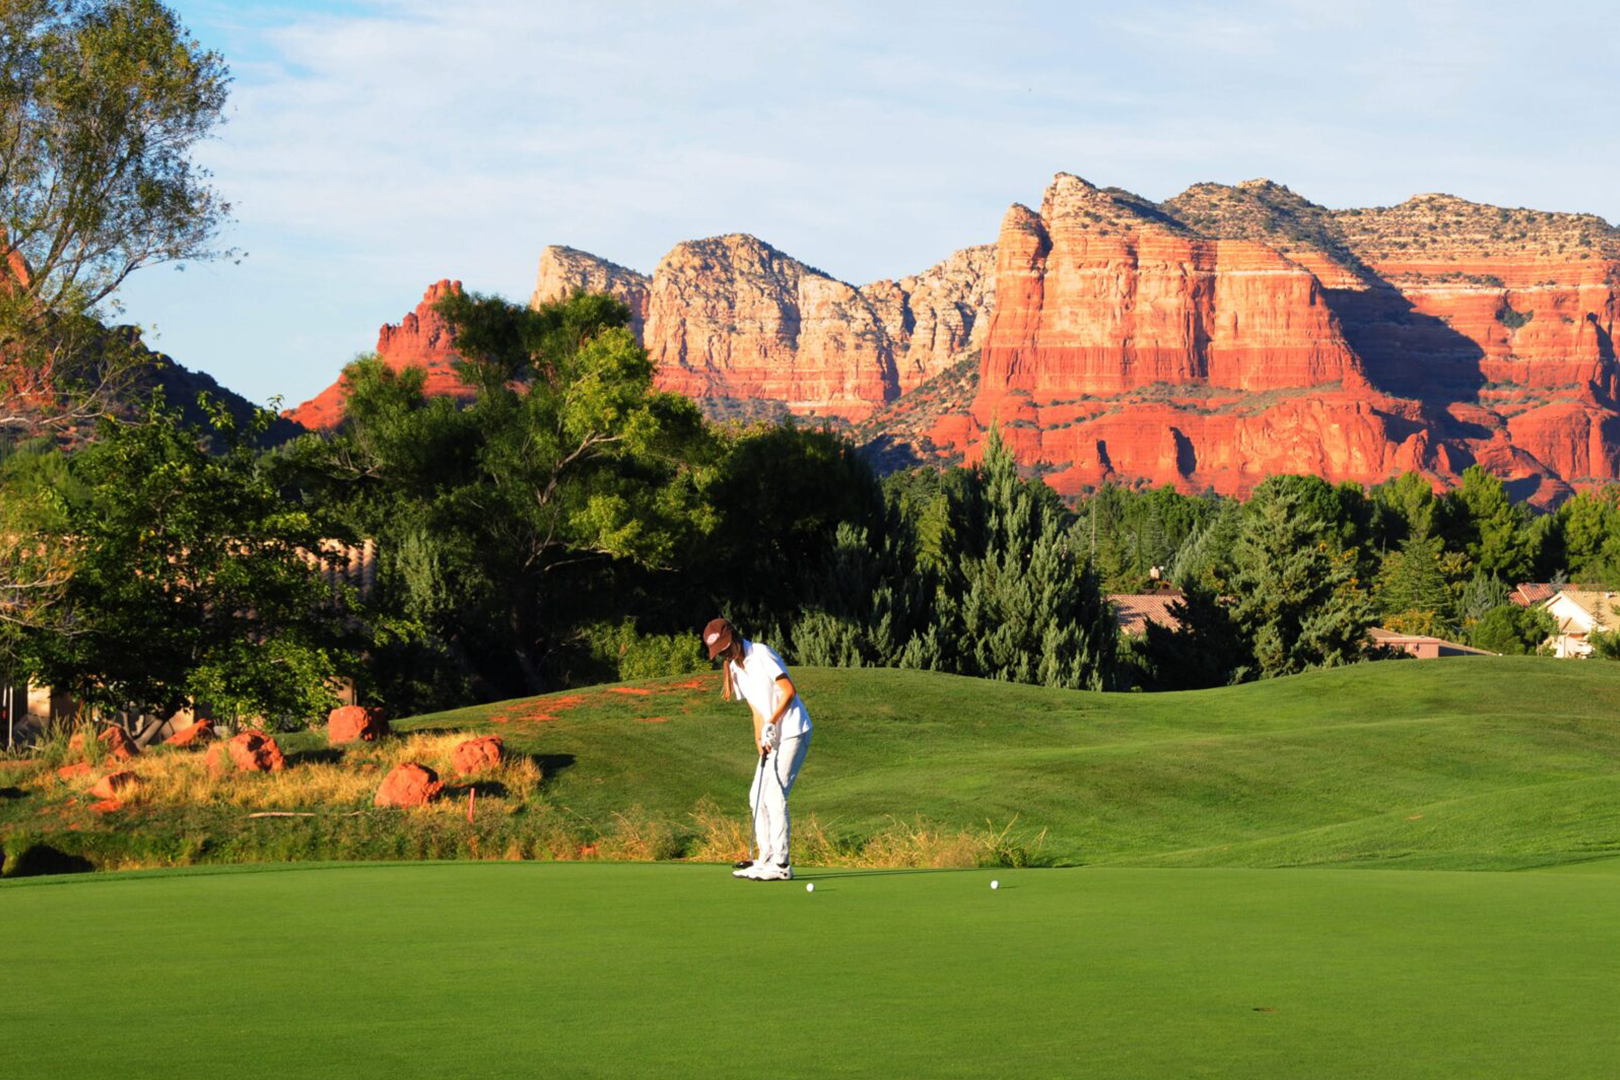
{"points": [[569, 970]]}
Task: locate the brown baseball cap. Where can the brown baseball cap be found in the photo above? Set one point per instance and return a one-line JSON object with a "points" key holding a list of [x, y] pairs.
{"points": [[718, 636]]}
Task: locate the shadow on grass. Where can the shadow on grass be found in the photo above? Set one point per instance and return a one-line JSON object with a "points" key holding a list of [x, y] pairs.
{"points": [[551, 766], [486, 789], [828, 876], [39, 859], [326, 755], [12, 793]]}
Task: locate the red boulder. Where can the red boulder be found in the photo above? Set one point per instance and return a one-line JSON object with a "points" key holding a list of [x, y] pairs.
{"points": [[254, 751], [119, 746], [476, 755], [114, 784], [74, 771], [408, 784], [201, 731], [355, 722]]}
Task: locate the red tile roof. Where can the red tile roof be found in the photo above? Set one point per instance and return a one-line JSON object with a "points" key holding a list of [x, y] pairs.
{"points": [[1135, 610], [1528, 593]]}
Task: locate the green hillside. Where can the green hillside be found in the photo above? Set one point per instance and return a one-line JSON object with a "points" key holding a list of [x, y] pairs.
{"points": [[1498, 763], [1483, 763]]}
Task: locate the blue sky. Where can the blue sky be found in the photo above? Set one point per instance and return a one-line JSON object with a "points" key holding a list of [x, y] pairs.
{"points": [[375, 147]]}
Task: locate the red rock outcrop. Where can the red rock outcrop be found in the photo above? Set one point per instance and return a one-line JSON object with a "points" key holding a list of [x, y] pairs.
{"points": [[565, 270], [408, 784], [119, 746], [421, 340], [1224, 335], [1129, 343], [476, 755], [355, 723], [201, 731], [732, 318], [253, 751]]}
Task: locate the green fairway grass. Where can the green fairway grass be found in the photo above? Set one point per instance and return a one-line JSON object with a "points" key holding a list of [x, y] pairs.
{"points": [[569, 970], [1478, 764]]}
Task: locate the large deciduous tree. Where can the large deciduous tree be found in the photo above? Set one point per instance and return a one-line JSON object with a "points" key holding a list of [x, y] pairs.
{"points": [[509, 525], [102, 104], [193, 580]]}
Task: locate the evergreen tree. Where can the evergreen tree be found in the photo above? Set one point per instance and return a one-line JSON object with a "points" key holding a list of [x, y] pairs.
{"points": [[1412, 591], [1513, 630], [1205, 649], [1587, 531], [1300, 604], [1480, 520], [1020, 605]]}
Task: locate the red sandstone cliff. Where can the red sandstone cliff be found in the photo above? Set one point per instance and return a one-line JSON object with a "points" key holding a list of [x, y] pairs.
{"points": [[1211, 340], [422, 339], [731, 318], [565, 270]]}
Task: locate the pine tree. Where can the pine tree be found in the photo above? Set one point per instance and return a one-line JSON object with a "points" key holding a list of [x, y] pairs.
{"points": [[1299, 603], [1413, 581], [1029, 610]]}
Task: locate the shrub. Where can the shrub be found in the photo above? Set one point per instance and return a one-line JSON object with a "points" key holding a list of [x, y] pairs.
{"points": [[1513, 319], [1513, 630], [1605, 644], [623, 654]]}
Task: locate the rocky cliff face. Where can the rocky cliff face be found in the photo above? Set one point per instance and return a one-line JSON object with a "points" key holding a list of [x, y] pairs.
{"points": [[565, 270], [1236, 332], [422, 340], [731, 319], [1224, 335]]}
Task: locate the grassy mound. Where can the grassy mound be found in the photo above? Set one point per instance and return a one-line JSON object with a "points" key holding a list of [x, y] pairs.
{"points": [[1484, 763], [485, 970]]}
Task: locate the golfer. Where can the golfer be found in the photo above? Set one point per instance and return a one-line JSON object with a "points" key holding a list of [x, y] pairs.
{"points": [[755, 674]]}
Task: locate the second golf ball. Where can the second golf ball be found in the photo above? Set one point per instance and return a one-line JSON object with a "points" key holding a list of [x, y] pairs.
{"points": [[811, 887], [995, 884]]}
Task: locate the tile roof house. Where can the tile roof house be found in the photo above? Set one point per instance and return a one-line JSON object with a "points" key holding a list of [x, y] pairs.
{"points": [[1422, 646], [1578, 612], [1133, 611]]}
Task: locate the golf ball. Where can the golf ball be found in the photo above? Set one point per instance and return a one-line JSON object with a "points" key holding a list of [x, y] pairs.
{"points": [[995, 884], [811, 887]]}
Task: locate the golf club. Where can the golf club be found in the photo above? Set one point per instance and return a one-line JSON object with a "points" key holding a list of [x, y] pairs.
{"points": [[753, 844]]}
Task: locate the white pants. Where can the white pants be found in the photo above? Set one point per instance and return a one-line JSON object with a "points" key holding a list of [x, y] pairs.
{"points": [[773, 779]]}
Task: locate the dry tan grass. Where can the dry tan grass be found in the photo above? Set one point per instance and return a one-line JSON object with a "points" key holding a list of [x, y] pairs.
{"points": [[637, 836], [724, 837], [350, 781]]}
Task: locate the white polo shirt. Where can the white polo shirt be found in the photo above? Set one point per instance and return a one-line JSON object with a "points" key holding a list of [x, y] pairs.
{"points": [[755, 681]]}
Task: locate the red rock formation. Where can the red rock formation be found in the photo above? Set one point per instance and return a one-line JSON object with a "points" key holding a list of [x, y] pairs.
{"points": [[201, 731], [73, 771], [565, 270], [476, 755], [421, 340], [408, 784], [1224, 335], [1128, 345], [253, 751], [732, 318], [119, 747], [351, 723]]}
